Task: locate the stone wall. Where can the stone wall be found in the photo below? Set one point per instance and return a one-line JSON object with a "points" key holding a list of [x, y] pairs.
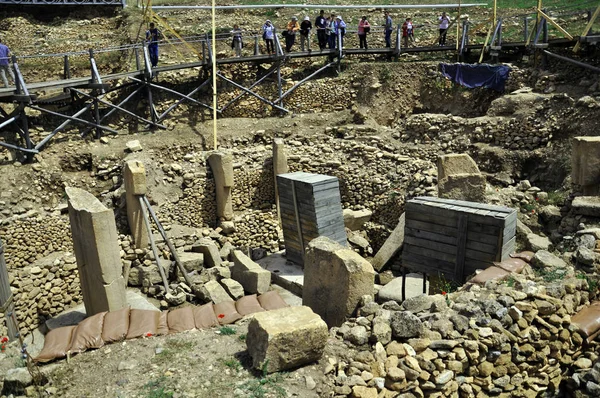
{"points": [[509, 338]]}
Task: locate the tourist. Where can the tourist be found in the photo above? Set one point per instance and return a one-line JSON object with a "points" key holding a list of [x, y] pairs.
{"points": [[290, 33], [305, 28], [340, 30], [269, 36], [389, 28], [444, 24], [408, 34], [5, 64], [236, 42], [331, 32], [153, 35], [321, 25], [363, 29]]}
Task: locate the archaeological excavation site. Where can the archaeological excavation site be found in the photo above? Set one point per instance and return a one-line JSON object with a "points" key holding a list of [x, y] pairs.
{"points": [[253, 199]]}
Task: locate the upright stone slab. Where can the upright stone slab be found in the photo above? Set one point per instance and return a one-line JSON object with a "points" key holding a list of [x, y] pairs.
{"points": [[254, 278], [96, 246], [459, 178], [335, 278], [134, 176], [280, 165], [285, 338], [391, 246], [585, 164], [221, 164], [310, 207]]}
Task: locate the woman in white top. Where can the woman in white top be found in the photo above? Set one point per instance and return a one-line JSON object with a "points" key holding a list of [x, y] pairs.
{"points": [[444, 24], [269, 36]]}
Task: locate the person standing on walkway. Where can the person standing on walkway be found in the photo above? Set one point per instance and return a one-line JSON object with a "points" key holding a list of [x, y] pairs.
{"points": [[321, 25], [236, 43], [408, 35], [363, 29], [269, 36], [290, 34], [444, 24], [153, 35], [5, 64], [331, 32], [305, 28], [340, 30], [389, 28]]}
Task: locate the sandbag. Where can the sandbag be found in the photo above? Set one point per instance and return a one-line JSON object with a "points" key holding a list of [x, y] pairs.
{"points": [[181, 319], [142, 323], [271, 300], [489, 274], [226, 312], [204, 316], [525, 256], [56, 344], [588, 319], [88, 334], [515, 265], [116, 325], [248, 305], [163, 324]]}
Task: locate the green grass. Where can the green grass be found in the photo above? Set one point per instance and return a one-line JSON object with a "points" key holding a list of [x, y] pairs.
{"points": [[557, 198], [227, 331], [592, 283], [171, 349], [156, 389], [550, 275], [266, 384], [232, 363], [242, 337]]}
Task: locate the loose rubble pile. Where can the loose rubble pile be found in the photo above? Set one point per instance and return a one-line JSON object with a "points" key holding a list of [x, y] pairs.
{"points": [[509, 338]]}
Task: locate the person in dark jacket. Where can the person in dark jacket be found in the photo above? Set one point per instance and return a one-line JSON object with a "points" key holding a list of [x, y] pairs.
{"points": [[305, 28], [321, 26]]}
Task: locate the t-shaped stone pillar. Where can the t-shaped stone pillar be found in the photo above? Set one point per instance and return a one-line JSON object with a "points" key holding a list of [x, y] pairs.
{"points": [[134, 176], [221, 165], [97, 252], [459, 178], [280, 165], [585, 164]]}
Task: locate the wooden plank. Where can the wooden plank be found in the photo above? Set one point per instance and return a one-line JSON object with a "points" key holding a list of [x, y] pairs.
{"points": [[467, 207], [475, 236], [432, 236], [481, 256], [450, 219], [428, 252], [427, 244], [461, 247], [429, 265]]}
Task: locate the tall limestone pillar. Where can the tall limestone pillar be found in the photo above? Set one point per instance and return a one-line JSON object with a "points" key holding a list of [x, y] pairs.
{"points": [[280, 165], [221, 164], [134, 176], [97, 249], [585, 164]]}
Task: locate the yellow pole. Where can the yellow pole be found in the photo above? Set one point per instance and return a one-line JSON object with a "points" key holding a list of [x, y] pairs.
{"points": [[458, 26], [496, 12], [587, 28], [214, 74]]}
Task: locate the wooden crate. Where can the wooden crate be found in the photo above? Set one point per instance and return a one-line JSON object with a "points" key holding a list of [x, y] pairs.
{"points": [[454, 238], [310, 206]]}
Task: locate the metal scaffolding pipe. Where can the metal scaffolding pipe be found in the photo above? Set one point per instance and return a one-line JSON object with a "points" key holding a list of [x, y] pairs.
{"points": [[153, 246], [291, 90], [322, 6], [266, 101], [583, 65]]}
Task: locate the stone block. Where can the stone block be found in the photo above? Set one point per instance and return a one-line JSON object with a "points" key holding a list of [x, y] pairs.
{"points": [[16, 381], [545, 259], [134, 146], [335, 279], [286, 338], [459, 178], [221, 165], [210, 251], [356, 219], [585, 161], [213, 291], [134, 178], [234, 288], [586, 206], [191, 261], [391, 246], [254, 278], [536, 242], [96, 246]]}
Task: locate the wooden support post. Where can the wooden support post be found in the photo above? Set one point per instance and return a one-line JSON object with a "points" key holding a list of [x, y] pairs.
{"points": [[7, 306], [398, 40], [66, 68], [525, 29], [403, 283], [587, 28]]}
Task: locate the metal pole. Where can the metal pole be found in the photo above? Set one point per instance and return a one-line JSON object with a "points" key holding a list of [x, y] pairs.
{"points": [[170, 91], [153, 245], [458, 24], [331, 7], [304, 80], [269, 73], [256, 47], [572, 61], [37, 108], [526, 29], [214, 73], [66, 68], [194, 91], [171, 247], [266, 101]]}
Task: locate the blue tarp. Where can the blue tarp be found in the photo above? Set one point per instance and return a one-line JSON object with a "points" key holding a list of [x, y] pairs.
{"points": [[479, 75]]}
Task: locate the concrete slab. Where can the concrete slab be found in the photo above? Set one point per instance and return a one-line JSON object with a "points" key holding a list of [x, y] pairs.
{"points": [[290, 298], [284, 273], [586, 206], [393, 290]]}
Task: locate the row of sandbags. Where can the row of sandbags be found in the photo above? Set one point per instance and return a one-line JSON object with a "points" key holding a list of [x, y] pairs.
{"points": [[110, 327]]}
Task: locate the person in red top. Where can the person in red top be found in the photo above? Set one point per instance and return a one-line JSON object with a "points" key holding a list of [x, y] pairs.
{"points": [[363, 28], [408, 34]]}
